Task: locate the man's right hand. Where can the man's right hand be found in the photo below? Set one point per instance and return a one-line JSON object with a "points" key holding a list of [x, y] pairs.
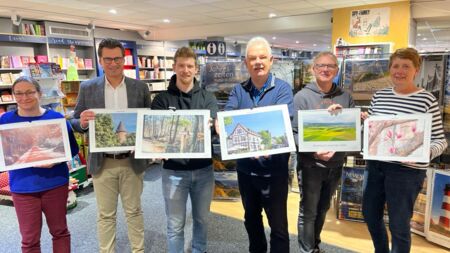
{"points": [[85, 116]]}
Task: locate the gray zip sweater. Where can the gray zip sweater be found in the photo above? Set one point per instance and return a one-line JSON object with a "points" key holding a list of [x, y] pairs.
{"points": [[310, 98]]}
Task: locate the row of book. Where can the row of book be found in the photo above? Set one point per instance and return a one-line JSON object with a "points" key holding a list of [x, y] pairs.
{"points": [[16, 61], [154, 62], [5, 96], [81, 63], [32, 29], [8, 78]]}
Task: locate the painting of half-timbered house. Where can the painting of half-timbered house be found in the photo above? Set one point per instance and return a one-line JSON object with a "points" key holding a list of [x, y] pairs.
{"points": [[244, 139]]}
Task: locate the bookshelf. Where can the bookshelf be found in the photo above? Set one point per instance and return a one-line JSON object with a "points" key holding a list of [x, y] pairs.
{"points": [[59, 52], [364, 51]]}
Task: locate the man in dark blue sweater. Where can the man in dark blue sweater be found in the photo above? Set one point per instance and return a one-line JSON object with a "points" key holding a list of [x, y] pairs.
{"points": [[263, 181]]}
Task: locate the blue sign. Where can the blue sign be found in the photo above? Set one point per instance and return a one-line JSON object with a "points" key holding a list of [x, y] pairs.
{"points": [[76, 42], [22, 38]]}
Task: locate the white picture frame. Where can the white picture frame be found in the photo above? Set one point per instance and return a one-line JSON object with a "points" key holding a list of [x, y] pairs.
{"points": [[321, 130], [123, 127], [438, 194], [29, 144], [274, 120], [183, 144], [402, 138]]}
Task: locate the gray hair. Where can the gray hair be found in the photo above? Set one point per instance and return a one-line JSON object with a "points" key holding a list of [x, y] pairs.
{"points": [[258, 40], [29, 80], [325, 53]]}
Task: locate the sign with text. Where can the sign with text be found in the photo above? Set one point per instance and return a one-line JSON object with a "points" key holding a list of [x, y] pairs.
{"points": [[215, 48]]}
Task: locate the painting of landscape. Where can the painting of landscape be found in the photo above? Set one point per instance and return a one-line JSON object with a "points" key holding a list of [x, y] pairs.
{"points": [[32, 144], [255, 132], [366, 75], [322, 130], [112, 130], [398, 138], [168, 134], [437, 225]]}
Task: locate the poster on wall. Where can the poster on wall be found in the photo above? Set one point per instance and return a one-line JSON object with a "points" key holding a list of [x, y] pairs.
{"points": [[248, 132], [437, 226], [366, 75], [320, 130], [403, 138], [220, 77], [284, 70], [29, 144], [369, 22], [431, 75]]}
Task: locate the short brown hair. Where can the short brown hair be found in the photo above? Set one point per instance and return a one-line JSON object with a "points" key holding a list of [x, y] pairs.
{"points": [[185, 52], [407, 53], [27, 79]]}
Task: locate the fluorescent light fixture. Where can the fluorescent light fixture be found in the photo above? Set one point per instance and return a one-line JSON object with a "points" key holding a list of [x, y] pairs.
{"points": [[424, 38], [166, 20], [419, 34], [272, 15], [296, 42], [314, 45], [274, 38], [113, 11]]}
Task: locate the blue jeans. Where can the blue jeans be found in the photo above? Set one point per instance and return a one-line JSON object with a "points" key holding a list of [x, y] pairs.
{"points": [[398, 187], [271, 194], [176, 186], [317, 186]]}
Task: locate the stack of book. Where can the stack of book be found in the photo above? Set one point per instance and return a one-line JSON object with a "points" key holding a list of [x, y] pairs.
{"points": [[32, 29]]}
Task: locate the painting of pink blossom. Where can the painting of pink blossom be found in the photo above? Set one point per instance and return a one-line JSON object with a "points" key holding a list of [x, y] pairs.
{"points": [[404, 138]]}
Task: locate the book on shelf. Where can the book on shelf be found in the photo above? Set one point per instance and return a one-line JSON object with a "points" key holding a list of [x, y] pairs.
{"points": [[16, 62], [6, 96], [35, 71], [80, 63], [41, 58], [25, 60], [88, 63], [46, 70], [6, 78], [5, 62]]}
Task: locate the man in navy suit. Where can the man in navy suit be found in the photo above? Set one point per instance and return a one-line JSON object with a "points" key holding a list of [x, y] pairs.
{"points": [[116, 173]]}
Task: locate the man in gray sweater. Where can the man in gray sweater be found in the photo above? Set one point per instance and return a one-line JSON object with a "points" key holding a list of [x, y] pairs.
{"points": [[319, 172]]}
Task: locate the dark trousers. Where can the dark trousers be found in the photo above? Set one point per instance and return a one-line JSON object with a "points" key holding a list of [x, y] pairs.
{"points": [[29, 208], [398, 187], [269, 193], [317, 186]]}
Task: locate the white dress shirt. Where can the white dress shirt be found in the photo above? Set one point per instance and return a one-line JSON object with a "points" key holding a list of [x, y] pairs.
{"points": [[116, 98]]}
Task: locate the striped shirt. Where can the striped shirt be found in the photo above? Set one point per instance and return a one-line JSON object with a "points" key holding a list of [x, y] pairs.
{"points": [[388, 102]]}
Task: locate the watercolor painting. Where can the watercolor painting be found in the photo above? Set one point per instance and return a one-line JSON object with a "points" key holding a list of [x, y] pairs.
{"points": [[255, 132], [112, 130], [320, 130], [398, 138], [33, 143], [173, 134]]}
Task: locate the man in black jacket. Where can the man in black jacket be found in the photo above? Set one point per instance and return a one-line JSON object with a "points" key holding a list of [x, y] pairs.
{"points": [[183, 177]]}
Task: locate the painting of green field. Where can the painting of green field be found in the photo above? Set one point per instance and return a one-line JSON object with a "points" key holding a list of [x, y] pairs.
{"points": [[329, 132]]}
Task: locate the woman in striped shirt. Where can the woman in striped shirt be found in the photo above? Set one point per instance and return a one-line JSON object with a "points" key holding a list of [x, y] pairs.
{"points": [[398, 184]]}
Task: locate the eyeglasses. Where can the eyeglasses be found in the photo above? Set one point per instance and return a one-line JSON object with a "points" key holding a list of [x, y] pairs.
{"points": [[24, 94], [323, 66], [109, 60]]}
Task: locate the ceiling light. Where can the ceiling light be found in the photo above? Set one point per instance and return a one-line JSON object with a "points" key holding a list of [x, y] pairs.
{"points": [[113, 11], [272, 15], [274, 38], [166, 20], [424, 38], [296, 42], [419, 34], [314, 45]]}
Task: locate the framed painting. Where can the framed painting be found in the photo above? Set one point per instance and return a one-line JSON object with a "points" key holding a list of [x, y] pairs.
{"points": [[321, 130], [29, 144], [403, 138], [366, 75], [173, 134], [255, 132], [112, 130], [437, 225]]}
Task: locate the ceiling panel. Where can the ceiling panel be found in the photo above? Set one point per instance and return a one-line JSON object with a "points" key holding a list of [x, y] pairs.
{"points": [[233, 4]]}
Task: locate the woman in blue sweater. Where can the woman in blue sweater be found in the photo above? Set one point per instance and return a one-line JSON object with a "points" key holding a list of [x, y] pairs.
{"points": [[43, 189]]}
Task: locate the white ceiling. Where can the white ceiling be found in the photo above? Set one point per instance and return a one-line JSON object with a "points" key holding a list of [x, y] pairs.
{"points": [[231, 18]]}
